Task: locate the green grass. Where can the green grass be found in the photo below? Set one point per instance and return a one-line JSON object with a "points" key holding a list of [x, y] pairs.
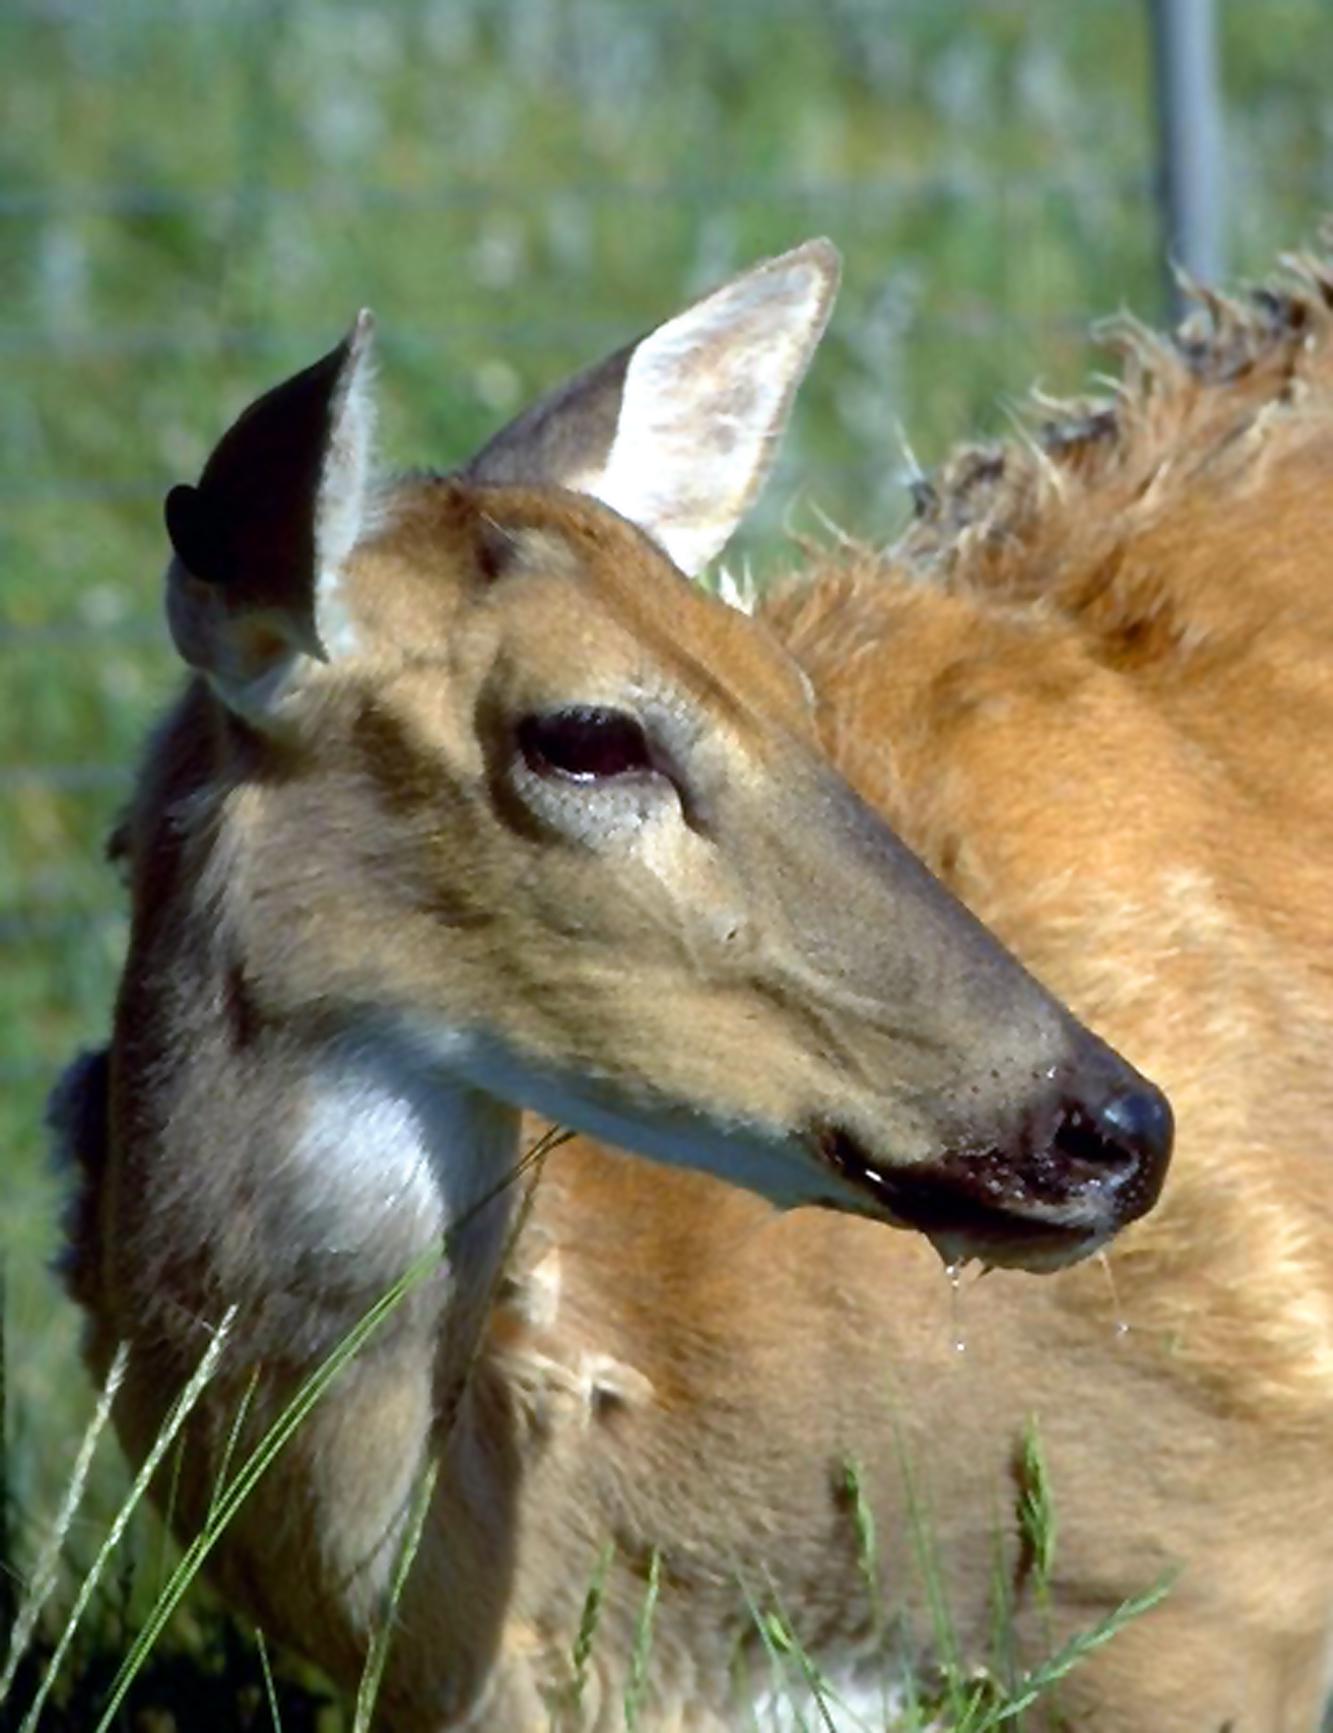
{"points": [[195, 197], [127, 1667]]}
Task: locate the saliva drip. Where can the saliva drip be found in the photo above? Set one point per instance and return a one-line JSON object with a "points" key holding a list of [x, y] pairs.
{"points": [[954, 1271], [1121, 1325]]}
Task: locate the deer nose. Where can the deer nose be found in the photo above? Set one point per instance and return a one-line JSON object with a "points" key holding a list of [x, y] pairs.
{"points": [[1130, 1133], [1140, 1121]]}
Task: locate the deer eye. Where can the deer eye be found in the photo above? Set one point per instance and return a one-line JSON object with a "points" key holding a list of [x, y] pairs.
{"points": [[584, 742]]}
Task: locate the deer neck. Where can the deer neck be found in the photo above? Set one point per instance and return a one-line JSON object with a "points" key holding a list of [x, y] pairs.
{"points": [[392, 1154], [337, 1161]]}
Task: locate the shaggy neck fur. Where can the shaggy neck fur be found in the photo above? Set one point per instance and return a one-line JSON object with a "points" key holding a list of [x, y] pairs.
{"points": [[1146, 570]]}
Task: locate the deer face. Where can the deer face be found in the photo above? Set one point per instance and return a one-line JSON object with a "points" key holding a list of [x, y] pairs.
{"points": [[517, 790]]}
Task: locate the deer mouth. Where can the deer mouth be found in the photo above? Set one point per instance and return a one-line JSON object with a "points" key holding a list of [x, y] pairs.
{"points": [[1044, 1209]]}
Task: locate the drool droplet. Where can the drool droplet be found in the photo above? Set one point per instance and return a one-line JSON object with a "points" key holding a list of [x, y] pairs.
{"points": [[954, 1271], [1121, 1325]]}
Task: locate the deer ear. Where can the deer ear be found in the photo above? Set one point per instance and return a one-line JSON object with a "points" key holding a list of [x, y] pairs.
{"points": [[678, 431], [261, 543]]}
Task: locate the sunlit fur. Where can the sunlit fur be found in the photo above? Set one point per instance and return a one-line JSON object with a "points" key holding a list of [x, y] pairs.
{"points": [[1091, 686]]}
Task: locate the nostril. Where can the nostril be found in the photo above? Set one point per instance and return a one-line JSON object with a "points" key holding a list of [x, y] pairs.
{"points": [[1080, 1137], [1131, 1127]]}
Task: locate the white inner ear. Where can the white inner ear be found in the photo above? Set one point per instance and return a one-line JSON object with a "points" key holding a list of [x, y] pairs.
{"points": [[705, 400], [341, 505]]}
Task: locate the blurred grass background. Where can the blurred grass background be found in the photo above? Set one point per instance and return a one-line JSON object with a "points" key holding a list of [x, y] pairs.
{"points": [[195, 197]]}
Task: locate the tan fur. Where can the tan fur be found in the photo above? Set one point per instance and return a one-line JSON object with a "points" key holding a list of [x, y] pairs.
{"points": [[1090, 688], [1147, 593]]}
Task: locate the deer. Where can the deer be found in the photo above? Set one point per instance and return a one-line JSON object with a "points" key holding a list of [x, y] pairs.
{"points": [[478, 814]]}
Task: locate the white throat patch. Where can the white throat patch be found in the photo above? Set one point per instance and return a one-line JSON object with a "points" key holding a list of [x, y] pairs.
{"points": [[395, 1152]]}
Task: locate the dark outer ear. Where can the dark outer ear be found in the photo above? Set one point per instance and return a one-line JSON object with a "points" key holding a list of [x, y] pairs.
{"points": [[565, 437], [677, 431], [260, 542]]}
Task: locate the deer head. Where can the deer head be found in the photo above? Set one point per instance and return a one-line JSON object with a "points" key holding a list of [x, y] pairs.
{"points": [[495, 781]]}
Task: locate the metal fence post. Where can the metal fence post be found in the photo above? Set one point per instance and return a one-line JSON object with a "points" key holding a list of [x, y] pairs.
{"points": [[1189, 139]]}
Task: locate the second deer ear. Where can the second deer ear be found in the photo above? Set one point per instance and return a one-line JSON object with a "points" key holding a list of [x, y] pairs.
{"points": [[678, 431], [260, 544]]}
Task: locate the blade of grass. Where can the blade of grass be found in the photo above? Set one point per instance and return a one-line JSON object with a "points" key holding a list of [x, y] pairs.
{"points": [[1036, 1508], [47, 1567], [161, 1444], [785, 1637], [8, 1576], [229, 1448], [937, 1601], [373, 1672], [867, 1560], [1079, 1646], [248, 1476], [1003, 1658], [1037, 1529], [643, 1642], [168, 1516], [533, 1165], [867, 1546], [270, 1690], [589, 1619], [787, 1642], [777, 1660], [308, 1394]]}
